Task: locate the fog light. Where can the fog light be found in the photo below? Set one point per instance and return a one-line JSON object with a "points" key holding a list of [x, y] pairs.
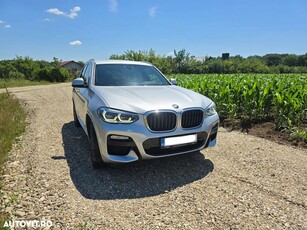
{"points": [[116, 137]]}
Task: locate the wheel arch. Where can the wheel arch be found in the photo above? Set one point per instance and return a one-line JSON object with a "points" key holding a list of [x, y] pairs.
{"points": [[89, 123]]}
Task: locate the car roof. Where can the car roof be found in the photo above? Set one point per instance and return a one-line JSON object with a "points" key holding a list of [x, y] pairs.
{"points": [[126, 62]]}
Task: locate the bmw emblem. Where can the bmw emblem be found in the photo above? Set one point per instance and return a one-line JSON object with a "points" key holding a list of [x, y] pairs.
{"points": [[175, 106]]}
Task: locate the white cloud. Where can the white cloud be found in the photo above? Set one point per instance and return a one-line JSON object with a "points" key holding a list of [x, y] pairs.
{"points": [[55, 11], [75, 43], [113, 5], [73, 12], [4, 24], [153, 11], [170, 54]]}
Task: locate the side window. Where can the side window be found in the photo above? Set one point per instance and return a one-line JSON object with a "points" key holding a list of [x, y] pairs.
{"points": [[88, 73], [82, 73]]}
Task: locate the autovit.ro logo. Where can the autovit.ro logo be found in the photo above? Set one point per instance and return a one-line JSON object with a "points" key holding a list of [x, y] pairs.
{"points": [[28, 224]]}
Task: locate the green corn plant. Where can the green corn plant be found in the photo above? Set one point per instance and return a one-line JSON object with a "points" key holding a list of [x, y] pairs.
{"points": [[281, 98]]}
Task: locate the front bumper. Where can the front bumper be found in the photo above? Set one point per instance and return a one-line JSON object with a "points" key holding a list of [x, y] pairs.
{"points": [[138, 142]]}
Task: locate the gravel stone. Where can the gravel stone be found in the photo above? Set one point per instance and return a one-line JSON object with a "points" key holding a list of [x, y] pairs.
{"points": [[244, 182], [20, 213], [9, 209]]}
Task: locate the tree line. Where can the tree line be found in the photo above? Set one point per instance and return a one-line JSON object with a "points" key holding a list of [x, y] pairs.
{"points": [[183, 62], [180, 62], [26, 68]]}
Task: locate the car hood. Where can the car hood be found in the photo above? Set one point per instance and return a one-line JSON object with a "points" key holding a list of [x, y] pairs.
{"points": [[140, 99]]}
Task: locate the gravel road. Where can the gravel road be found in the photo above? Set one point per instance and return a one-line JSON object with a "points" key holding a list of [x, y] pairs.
{"points": [[244, 182]]}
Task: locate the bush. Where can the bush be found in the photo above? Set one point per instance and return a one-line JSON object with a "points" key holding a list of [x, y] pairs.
{"points": [[44, 74], [5, 69], [59, 74], [26, 66], [54, 74], [16, 75]]}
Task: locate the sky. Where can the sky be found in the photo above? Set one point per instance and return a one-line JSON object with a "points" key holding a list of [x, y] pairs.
{"points": [[84, 29]]}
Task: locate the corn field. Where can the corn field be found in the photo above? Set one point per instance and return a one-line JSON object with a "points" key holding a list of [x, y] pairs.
{"points": [[281, 98]]}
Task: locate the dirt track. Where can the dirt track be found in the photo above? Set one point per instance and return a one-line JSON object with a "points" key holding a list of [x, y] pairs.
{"points": [[244, 183]]}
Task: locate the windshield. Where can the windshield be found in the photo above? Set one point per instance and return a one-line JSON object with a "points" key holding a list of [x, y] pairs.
{"points": [[128, 75]]}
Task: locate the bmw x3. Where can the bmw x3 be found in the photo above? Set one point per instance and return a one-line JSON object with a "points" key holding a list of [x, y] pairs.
{"points": [[131, 111]]}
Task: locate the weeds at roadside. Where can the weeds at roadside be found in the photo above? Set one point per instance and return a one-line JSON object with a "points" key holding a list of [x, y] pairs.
{"points": [[12, 125], [298, 134], [3, 218], [20, 83]]}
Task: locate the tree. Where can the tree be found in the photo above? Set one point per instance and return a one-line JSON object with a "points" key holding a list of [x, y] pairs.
{"points": [[302, 60], [5, 69], [253, 65], [180, 57], [291, 60], [27, 66], [215, 65], [59, 74], [81, 63], [273, 59]]}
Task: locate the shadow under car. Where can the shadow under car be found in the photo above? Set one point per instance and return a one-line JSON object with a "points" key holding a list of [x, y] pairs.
{"points": [[128, 181]]}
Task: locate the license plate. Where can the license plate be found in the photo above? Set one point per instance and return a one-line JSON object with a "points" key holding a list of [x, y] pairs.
{"points": [[181, 140]]}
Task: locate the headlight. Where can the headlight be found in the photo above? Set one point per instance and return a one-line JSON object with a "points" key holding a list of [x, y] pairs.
{"points": [[210, 110], [117, 116]]}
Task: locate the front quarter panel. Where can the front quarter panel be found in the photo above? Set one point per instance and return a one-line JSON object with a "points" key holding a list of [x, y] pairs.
{"points": [[95, 102]]}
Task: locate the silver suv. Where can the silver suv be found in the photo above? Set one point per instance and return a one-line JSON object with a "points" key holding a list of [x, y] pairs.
{"points": [[130, 111]]}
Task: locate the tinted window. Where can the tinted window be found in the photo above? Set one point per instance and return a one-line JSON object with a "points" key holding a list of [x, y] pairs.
{"points": [[126, 75], [88, 73], [83, 74]]}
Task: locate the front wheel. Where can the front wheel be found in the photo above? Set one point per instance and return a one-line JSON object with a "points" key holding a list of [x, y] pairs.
{"points": [[95, 152]]}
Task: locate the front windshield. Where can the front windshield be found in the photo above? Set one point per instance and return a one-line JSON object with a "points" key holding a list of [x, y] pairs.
{"points": [[128, 75]]}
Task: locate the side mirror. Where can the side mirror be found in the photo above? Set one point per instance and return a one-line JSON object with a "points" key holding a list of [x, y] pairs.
{"points": [[79, 83], [173, 81]]}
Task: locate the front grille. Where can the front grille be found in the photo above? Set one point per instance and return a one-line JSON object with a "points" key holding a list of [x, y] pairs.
{"points": [[161, 121], [192, 118]]}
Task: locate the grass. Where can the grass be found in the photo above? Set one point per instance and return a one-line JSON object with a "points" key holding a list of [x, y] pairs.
{"points": [[12, 125], [299, 134], [3, 218], [19, 83]]}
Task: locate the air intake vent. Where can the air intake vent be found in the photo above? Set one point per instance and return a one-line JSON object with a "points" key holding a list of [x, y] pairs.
{"points": [[192, 118], [161, 121]]}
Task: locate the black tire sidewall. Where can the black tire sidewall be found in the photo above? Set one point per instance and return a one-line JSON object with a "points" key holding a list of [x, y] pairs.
{"points": [[95, 152]]}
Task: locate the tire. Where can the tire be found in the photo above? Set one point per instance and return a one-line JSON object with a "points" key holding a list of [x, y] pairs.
{"points": [[76, 121], [96, 159]]}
